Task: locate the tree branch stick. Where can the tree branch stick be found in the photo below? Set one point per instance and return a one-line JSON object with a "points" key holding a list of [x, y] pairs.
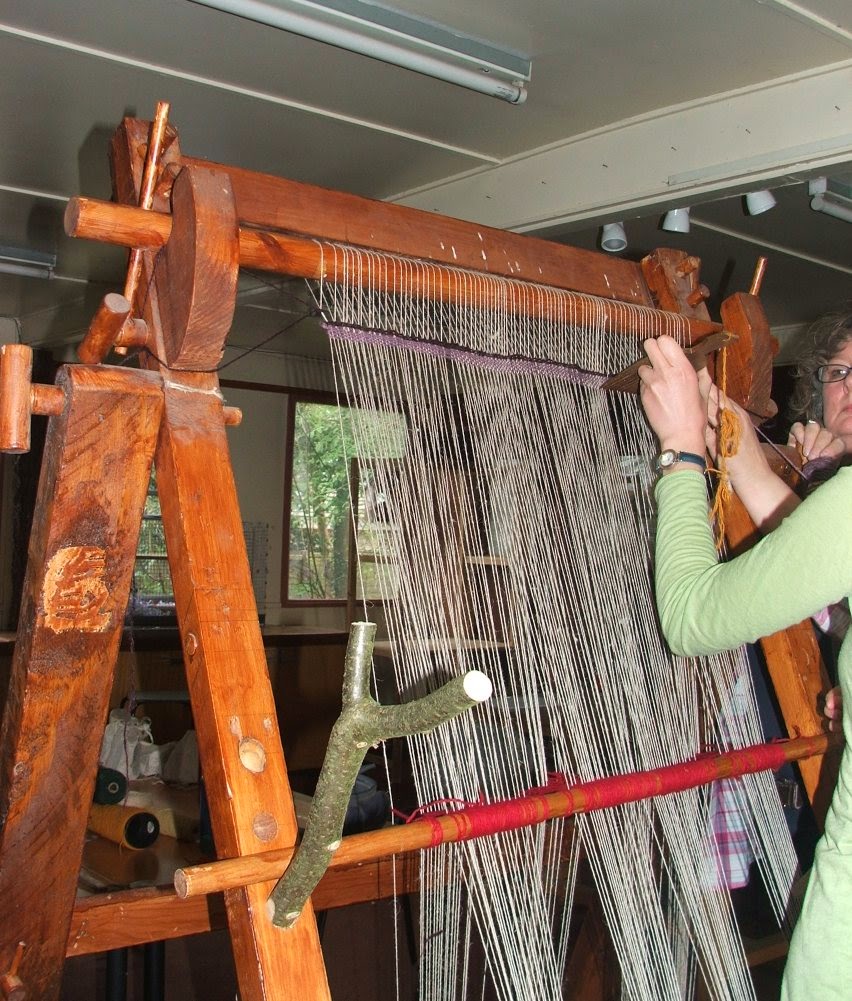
{"points": [[362, 723]]}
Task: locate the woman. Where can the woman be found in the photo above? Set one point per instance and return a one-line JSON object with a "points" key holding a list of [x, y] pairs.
{"points": [[825, 428], [801, 566]]}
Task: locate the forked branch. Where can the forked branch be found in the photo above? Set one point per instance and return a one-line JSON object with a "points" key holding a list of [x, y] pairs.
{"points": [[362, 723]]}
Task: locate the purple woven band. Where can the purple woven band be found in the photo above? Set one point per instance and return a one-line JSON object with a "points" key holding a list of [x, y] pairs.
{"points": [[497, 363]]}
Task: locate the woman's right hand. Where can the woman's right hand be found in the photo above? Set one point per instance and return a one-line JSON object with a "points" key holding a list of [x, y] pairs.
{"points": [[815, 441]]}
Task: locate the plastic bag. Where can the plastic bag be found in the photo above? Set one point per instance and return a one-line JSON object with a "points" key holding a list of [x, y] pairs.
{"points": [[129, 748]]}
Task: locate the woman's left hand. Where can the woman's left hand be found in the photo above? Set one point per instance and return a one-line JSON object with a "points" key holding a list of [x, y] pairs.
{"points": [[833, 708], [668, 389]]}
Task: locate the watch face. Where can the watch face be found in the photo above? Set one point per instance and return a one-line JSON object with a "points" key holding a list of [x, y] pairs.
{"points": [[667, 458]]}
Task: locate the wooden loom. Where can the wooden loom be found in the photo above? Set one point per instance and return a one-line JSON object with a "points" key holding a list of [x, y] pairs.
{"points": [[199, 223]]}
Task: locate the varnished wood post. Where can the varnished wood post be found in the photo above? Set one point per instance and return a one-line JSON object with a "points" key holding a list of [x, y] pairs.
{"points": [[793, 658], [189, 309], [235, 716], [89, 507]]}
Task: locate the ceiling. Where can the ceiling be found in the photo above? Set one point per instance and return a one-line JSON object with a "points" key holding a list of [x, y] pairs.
{"points": [[633, 108]]}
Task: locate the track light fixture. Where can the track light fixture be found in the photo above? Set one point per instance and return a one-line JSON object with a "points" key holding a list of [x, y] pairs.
{"points": [[824, 198], [759, 201], [613, 237], [27, 263], [676, 221]]}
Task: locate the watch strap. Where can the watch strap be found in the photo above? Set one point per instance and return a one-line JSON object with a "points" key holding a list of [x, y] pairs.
{"points": [[671, 456]]}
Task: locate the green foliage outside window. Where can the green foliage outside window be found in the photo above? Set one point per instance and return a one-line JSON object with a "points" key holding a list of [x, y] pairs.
{"points": [[323, 452]]}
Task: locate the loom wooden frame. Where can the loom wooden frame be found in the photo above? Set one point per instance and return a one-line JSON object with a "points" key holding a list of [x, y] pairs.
{"points": [[274, 224]]}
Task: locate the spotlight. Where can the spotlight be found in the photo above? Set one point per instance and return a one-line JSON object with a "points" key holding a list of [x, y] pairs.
{"points": [[613, 238], [676, 221], [759, 201]]}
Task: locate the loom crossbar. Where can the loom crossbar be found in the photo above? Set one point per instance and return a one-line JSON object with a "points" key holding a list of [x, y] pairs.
{"points": [[301, 257], [487, 819]]}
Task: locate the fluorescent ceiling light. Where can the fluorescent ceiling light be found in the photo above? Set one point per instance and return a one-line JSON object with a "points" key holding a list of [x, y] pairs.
{"points": [[395, 37], [27, 263]]}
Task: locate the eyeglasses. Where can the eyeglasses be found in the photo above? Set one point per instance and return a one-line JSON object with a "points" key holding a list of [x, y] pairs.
{"points": [[833, 373]]}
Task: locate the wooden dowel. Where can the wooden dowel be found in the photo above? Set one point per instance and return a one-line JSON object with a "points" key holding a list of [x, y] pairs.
{"points": [[153, 153], [301, 257], [146, 199], [757, 280], [427, 833], [133, 334], [104, 328], [46, 400], [11, 985], [16, 369]]}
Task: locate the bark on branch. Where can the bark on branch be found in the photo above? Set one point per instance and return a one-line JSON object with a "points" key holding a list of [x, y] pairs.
{"points": [[362, 723]]}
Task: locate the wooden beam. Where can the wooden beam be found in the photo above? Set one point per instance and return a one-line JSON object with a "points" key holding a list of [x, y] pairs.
{"points": [[189, 303], [106, 921], [265, 202], [81, 553], [300, 257]]}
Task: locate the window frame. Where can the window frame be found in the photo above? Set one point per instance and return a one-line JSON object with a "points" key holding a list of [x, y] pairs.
{"points": [[295, 397]]}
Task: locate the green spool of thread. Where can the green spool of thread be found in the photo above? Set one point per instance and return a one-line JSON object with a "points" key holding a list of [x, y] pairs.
{"points": [[110, 787]]}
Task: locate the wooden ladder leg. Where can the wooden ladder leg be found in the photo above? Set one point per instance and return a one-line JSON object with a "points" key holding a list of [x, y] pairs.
{"points": [[251, 806], [88, 511], [793, 658]]}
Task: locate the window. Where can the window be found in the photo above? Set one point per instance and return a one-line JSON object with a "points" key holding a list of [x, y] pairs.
{"points": [[151, 593], [325, 464]]}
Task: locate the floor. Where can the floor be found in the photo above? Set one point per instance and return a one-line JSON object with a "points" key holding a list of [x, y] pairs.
{"points": [[200, 967], [360, 966]]}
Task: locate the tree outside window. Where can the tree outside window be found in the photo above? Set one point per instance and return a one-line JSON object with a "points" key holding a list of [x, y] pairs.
{"points": [[326, 464]]}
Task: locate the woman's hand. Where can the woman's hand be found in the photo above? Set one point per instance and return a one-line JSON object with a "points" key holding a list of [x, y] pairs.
{"points": [[749, 460], [766, 497], [815, 441], [668, 389], [833, 708]]}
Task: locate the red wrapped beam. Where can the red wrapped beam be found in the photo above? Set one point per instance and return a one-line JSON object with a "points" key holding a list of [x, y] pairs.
{"points": [[537, 806]]}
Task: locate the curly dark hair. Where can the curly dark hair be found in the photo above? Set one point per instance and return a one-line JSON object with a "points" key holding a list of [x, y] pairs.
{"points": [[822, 341]]}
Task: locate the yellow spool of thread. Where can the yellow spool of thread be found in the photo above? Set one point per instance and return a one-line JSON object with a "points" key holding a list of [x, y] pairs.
{"points": [[125, 825]]}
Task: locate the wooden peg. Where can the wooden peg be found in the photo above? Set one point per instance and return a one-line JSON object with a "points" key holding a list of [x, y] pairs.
{"points": [[133, 334], [111, 316], [698, 295], [757, 279], [16, 369], [156, 145], [10, 983], [20, 399], [149, 180]]}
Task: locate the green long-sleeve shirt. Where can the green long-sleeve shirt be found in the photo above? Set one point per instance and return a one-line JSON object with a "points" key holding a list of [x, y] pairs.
{"points": [[706, 606]]}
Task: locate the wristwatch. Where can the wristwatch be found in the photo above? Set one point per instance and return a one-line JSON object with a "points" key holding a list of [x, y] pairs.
{"points": [[670, 456]]}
